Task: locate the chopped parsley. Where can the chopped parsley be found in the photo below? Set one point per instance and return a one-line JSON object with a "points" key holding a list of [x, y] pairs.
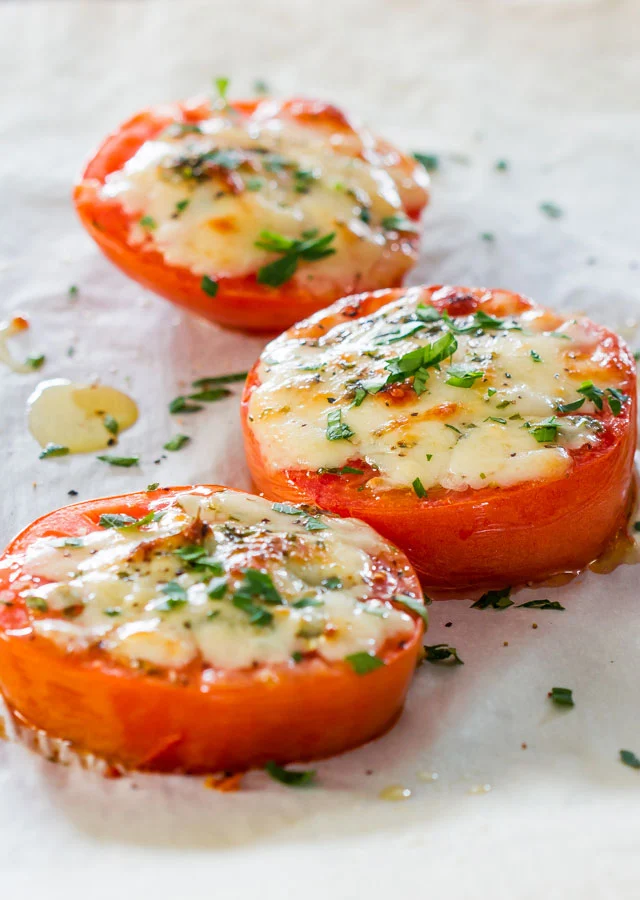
{"points": [[494, 600], [416, 362], [332, 583], [177, 442], [442, 653], [290, 777], [541, 604], [148, 222], [35, 362], [181, 205], [416, 606], [208, 380], [535, 356], [616, 399], [629, 758], [487, 236], [222, 86], [122, 520], [337, 430], [545, 431], [53, 450], [176, 596], [344, 470], [125, 462], [152, 487], [309, 248], [562, 696], [463, 375], [551, 209], [501, 165], [398, 222], [209, 286], [115, 520], [430, 161], [181, 404], [256, 585], [73, 291], [210, 395], [362, 663], [419, 488], [217, 587], [110, 424]]}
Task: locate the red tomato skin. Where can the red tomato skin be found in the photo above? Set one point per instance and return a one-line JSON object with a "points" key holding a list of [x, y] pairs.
{"points": [[240, 302], [492, 537], [184, 722]]}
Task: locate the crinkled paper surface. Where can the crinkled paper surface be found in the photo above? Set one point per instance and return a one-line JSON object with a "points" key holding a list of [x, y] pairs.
{"points": [[552, 86]]}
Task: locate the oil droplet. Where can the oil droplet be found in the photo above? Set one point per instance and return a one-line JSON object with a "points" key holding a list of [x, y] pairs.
{"points": [[622, 551], [394, 792], [480, 789], [427, 776], [73, 415], [7, 331]]}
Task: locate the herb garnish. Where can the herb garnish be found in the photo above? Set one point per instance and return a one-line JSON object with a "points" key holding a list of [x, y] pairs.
{"points": [[494, 600], [175, 594], [222, 86], [256, 585], [541, 604], [310, 248], [337, 430], [545, 431], [362, 663], [419, 488], [152, 487], [562, 696], [124, 462], [110, 424], [551, 209], [290, 777], [177, 442], [209, 286], [442, 653], [148, 222], [414, 605], [535, 356], [208, 380], [429, 160], [463, 375], [629, 758], [181, 404], [53, 450], [35, 362], [398, 222]]}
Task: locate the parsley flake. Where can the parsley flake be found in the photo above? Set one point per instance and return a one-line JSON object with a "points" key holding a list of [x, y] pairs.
{"points": [[125, 462], [53, 450], [309, 248], [562, 696], [442, 653], [209, 286], [290, 777], [494, 600], [362, 663], [337, 430]]}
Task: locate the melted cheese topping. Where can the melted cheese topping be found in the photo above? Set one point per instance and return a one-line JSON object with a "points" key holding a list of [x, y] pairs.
{"points": [[267, 173], [173, 590], [449, 436]]}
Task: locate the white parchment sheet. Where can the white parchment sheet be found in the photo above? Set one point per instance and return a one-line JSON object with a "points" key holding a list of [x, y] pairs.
{"points": [[551, 86]]}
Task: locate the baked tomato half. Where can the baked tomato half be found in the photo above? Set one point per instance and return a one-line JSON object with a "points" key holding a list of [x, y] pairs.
{"points": [[253, 214], [490, 438], [205, 629]]}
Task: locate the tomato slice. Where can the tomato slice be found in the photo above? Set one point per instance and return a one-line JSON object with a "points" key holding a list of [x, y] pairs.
{"points": [[491, 536], [195, 717], [241, 301]]}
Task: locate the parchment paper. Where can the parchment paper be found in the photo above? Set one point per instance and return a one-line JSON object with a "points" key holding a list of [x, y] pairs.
{"points": [[552, 87]]}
